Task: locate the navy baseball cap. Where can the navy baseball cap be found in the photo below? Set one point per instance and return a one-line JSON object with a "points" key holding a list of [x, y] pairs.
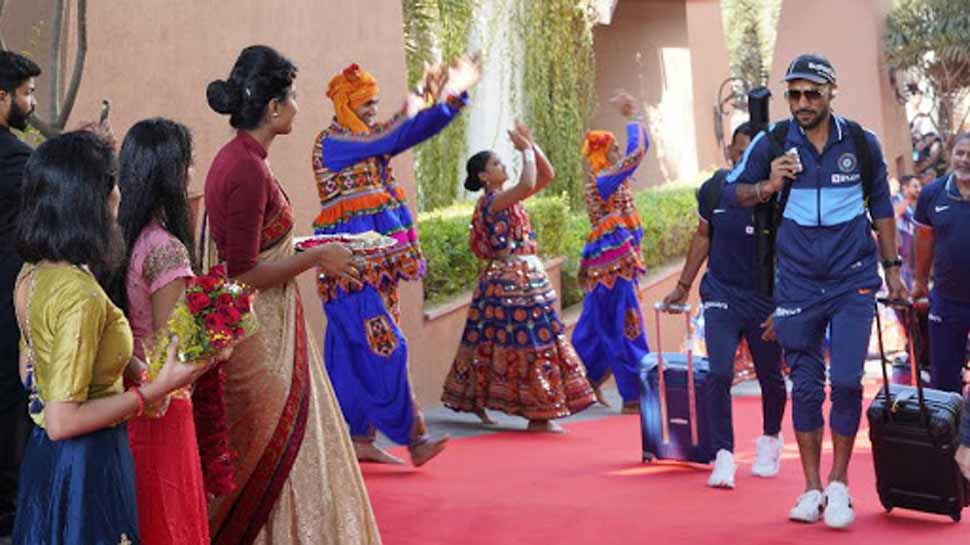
{"points": [[811, 67]]}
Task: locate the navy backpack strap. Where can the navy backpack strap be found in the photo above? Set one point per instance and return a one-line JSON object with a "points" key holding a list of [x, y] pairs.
{"points": [[861, 145]]}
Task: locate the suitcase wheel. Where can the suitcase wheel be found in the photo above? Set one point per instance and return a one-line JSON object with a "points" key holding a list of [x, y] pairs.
{"points": [[955, 517], [648, 457]]}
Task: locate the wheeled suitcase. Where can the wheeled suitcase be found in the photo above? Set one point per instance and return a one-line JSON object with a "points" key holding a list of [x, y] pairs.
{"points": [[914, 433], [672, 393]]}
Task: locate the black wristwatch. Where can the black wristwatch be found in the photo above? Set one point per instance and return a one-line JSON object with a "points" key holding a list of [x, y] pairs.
{"points": [[889, 263]]}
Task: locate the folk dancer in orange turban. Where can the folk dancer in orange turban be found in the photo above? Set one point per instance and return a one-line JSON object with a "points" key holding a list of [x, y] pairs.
{"points": [[350, 90], [610, 337], [365, 350]]}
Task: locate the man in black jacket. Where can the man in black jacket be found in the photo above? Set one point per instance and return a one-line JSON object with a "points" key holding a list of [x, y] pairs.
{"points": [[17, 103]]}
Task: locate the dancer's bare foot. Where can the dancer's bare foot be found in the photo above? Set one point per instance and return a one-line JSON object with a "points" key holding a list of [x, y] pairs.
{"points": [[544, 426], [483, 416], [633, 407], [367, 451], [600, 397], [423, 452]]}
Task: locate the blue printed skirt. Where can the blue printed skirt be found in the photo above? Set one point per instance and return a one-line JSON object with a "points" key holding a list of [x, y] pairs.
{"points": [[514, 356]]}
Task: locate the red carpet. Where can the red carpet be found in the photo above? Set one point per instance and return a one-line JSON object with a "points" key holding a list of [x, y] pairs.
{"points": [[588, 487]]}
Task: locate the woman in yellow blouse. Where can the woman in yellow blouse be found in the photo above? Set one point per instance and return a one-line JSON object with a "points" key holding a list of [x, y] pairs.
{"points": [[77, 480]]}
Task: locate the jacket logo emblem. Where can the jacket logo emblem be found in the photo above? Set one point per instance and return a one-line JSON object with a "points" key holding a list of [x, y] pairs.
{"points": [[848, 162]]}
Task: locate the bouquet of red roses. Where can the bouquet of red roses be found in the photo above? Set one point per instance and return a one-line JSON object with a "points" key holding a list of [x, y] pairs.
{"points": [[215, 313]]}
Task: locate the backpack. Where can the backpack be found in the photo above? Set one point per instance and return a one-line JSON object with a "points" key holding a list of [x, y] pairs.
{"points": [[768, 216]]}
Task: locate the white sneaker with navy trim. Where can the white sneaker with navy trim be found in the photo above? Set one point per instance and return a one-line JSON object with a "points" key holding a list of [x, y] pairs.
{"points": [[808, 508], [838, 506]]}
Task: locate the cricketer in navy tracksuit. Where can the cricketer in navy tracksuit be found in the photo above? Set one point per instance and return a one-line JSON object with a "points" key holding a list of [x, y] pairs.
{"points": [[826, 268], [941, 208], [734, 308]]}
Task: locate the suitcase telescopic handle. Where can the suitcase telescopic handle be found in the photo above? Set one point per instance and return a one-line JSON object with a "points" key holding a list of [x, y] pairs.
{"points": [[661, 307], [917, 377], [683, 308]]}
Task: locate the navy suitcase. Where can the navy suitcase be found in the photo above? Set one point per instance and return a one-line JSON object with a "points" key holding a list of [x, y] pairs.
{"points": [[672, 408], [914, 433]]}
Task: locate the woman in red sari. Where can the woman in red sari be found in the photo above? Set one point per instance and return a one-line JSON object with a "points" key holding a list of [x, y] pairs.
{"points": [[298, 481]]}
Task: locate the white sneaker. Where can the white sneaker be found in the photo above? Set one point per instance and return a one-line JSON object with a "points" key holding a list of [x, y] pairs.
{"points": [[808, 508], [767, 456], [838, 506], [723, 474]]}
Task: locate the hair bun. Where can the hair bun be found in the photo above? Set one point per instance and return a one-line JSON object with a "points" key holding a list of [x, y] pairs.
{"points": [[473, 184], [224, 96]]}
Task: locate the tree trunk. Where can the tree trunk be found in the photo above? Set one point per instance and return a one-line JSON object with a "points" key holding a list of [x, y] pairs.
{"points": [[945, 121], [62, 99], [54, 61], [78, 70], [3, 43]]}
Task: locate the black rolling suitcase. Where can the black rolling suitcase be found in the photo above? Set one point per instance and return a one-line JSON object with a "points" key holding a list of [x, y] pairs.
{"points": [[915, 433]]}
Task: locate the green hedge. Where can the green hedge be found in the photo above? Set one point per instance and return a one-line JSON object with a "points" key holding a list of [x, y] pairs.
{"points": [[668, 214]]}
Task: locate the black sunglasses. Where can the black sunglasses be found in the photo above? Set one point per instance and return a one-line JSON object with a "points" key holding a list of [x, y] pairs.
{"points": [[795, 95]]}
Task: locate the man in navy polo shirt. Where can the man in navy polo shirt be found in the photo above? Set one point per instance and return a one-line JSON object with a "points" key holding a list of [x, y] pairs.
{"points": [[733, 307], [826, 270], [943, 241]]}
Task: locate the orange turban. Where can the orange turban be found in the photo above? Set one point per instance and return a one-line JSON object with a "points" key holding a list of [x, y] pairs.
{"points": [[351, 89], [595, 148]]}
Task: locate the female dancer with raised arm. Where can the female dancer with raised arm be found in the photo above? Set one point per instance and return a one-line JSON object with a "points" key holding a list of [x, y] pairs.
{"points": [[514, 356]]}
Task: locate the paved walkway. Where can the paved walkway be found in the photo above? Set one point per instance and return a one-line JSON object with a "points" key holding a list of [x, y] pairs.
{"points": [[441, 420]]}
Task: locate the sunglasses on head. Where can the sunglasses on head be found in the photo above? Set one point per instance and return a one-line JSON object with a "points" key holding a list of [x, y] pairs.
{"points": [[795, 95]]}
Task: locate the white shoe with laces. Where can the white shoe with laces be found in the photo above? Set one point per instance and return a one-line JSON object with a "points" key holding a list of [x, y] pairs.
{"points": [[808, 508], [767, 456], [723, 474], [838, 506]]}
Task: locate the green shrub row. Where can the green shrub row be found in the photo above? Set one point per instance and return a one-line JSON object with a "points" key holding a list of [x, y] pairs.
{"points": [[668, 215]]}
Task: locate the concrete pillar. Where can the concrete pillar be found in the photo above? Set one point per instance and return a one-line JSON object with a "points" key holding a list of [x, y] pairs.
{"points": [[849, 35], [710, 67]]}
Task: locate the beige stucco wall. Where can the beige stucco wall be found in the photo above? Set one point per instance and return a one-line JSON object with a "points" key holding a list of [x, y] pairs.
{"points": [[709, 66], [671, 54], [26, 30], [634, 52], [851, 41]]}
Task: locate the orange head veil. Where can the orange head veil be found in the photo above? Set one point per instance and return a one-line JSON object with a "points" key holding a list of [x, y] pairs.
{"points": [[351, 89]]}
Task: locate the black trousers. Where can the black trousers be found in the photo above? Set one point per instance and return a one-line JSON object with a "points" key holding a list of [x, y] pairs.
{"points": [[15, 426]]}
